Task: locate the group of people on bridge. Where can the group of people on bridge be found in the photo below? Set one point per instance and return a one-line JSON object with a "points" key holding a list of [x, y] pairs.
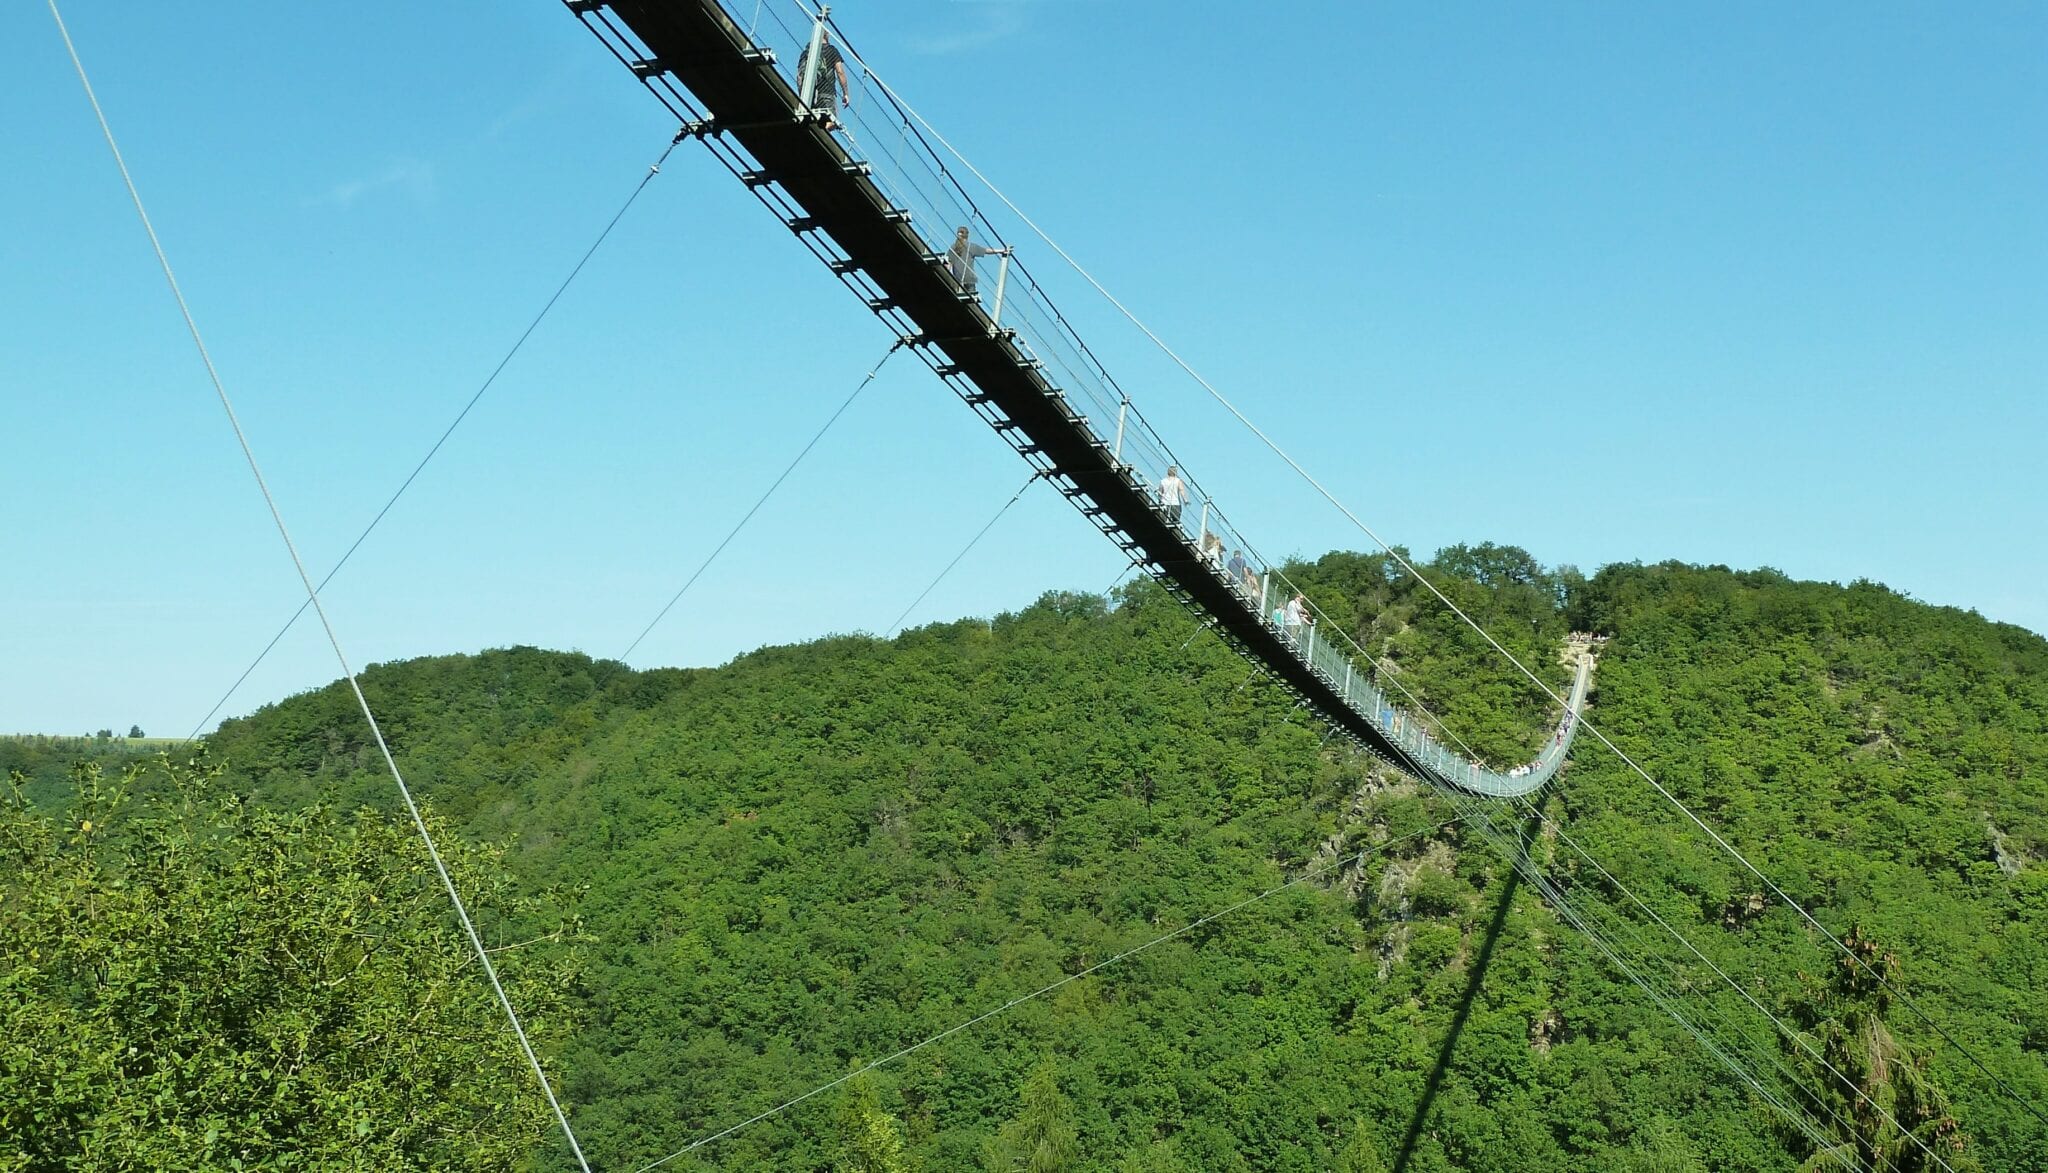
{"points": [[1292, 617]]}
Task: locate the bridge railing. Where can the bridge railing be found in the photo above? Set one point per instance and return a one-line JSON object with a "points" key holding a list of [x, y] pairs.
{"points": [[921, 189]]}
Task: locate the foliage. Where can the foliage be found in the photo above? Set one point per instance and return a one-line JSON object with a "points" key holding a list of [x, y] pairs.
{"points": [[819, 854], [44, 764], [1890, 1118], [870, 1140], [1042, 1138], [189, 982], [1360, 1154]]}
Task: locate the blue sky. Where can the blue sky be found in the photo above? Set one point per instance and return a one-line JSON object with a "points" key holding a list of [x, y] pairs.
{"points": [[1750, 284]]}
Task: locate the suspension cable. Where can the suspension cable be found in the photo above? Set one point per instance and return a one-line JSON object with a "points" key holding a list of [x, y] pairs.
{"points": [[1782, 1027], [483, 955], [1480, 816], [1118, 580], [971, 542], [1402, 560], [1477, 813], [1638, 937], [653, 170], [756, 508], [1019, 1000]]}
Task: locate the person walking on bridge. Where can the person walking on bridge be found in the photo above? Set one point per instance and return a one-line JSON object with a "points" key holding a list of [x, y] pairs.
{"points": [[1173, 493], [960, 258], [1296, 615], [829, 88]]}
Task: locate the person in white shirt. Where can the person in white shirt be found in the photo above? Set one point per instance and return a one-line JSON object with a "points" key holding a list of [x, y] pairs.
{"points": [[1173, 493], [1296, 612]]}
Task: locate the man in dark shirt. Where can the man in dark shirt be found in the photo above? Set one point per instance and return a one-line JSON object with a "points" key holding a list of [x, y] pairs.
{"points": [[829, 89]]}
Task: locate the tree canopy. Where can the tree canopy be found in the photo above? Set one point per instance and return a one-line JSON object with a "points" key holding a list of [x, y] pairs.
{"points": [[818, 855], [194, 982]]}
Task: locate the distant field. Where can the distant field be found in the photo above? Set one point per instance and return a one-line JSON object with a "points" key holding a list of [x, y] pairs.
{"points": [[73, 740]]}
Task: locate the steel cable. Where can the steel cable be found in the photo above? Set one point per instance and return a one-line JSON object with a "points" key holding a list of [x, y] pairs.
{"points": [[763, 500], [483, 955], [652, 170], [971, 543]]}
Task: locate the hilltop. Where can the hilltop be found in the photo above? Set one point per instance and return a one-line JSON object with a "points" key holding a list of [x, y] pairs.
{"points": [[818, 854]]}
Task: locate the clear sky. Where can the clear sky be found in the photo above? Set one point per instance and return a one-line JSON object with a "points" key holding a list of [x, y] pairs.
{"points": [[1757, 284]]}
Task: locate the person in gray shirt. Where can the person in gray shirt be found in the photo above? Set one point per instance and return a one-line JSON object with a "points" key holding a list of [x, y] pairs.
{"points": [[960, 258]]}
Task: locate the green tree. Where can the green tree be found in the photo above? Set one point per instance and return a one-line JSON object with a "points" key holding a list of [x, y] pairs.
{"points": [[191, 983], [1042, 1138], [1894, 1119], [870, 1139], [1360, 1154], [1661, 1148]]}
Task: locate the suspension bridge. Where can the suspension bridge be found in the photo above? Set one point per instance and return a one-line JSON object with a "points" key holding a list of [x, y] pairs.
{"points": [[837, 156], [846, 166], [829, 150]]}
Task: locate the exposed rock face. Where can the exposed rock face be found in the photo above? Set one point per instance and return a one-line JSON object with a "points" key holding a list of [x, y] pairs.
{"points": [[2011, 862]]}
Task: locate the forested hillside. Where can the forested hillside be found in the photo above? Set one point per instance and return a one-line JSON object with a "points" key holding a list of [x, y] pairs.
{"points": [[775, 871]]}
